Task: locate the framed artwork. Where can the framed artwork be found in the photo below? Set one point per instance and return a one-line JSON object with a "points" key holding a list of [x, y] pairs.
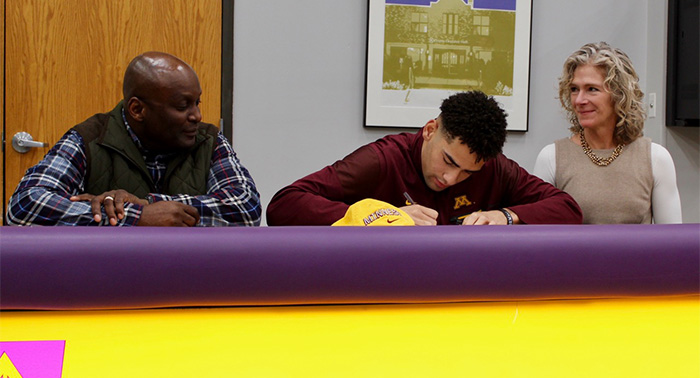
{"points": [[419, 52]]}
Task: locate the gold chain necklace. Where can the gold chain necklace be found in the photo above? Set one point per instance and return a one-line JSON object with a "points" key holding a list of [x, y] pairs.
{"points": [[595, 159]]}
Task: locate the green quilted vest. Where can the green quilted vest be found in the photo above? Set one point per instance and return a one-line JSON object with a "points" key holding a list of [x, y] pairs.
{"points": [[114, 161]]}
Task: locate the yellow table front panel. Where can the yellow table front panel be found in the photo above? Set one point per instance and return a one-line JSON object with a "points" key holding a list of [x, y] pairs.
{"points": [[651, 337]]}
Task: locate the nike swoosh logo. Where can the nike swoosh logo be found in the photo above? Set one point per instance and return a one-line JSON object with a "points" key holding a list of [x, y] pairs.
{"points": [[391, 220]]}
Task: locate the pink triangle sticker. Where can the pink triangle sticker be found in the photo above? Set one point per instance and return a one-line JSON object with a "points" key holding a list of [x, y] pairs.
{"points": [[30, 359]]}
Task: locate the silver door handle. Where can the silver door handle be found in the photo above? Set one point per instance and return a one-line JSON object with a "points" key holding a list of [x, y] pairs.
{"points": [[23, 141]]}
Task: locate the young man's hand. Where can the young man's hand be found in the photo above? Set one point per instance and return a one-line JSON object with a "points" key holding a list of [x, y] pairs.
{"points": [[493, 217], [421, 215]]}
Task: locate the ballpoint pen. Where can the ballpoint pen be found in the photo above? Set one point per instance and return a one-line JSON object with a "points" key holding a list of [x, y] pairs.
{"points": [[409, 200], [459, 219]]}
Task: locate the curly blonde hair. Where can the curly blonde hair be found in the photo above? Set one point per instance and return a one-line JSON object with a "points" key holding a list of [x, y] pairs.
{"points": [[621, 81]]}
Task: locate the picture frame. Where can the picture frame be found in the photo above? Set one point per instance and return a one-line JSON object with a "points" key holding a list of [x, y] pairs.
{"points": [[419, 52]]}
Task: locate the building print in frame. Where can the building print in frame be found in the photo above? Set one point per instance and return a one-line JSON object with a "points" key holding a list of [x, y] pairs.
{"points": [[432, 48], [448, 44]]}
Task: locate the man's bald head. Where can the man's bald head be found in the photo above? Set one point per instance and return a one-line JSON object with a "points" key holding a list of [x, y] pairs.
{"points": [[161, 101], [150, 71]]}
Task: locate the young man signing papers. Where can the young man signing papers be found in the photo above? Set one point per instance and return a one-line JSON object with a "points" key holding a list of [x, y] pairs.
{"points": [[452, 171]]}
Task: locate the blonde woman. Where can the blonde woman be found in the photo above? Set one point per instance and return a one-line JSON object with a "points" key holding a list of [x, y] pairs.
{"points": [[614, 173]]}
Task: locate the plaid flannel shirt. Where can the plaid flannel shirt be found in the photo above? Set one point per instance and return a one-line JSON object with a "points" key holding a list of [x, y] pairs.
{"points": [[43, 195]]}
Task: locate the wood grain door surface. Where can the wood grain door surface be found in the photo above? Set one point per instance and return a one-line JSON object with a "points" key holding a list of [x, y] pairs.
{"points": [[65, 61]]}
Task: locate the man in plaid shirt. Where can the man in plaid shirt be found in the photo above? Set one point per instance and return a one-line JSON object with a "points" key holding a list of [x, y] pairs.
{"points": [[149, 162]]}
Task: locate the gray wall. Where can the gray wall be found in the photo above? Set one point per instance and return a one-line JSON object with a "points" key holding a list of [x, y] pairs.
{"points": [[299, 71]]}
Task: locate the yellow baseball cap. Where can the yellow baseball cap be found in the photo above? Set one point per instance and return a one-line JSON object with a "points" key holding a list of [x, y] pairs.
{"points": [[372, 212]]}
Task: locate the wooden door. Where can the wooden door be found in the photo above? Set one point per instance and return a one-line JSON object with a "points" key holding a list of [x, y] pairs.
{"points": [[65, 61]]}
